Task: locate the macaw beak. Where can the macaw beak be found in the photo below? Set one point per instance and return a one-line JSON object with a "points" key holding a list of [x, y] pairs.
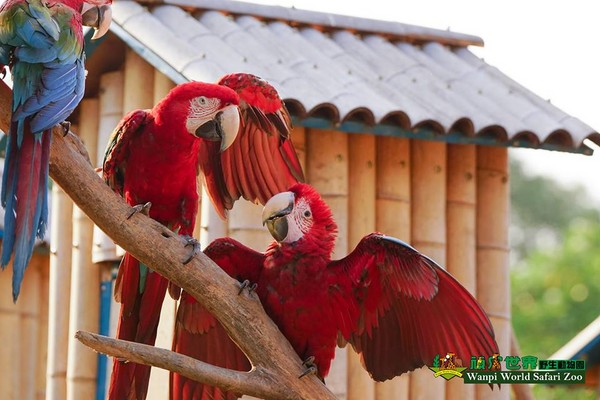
{"points": [[223, 127], [274, 213], [99, 18]]}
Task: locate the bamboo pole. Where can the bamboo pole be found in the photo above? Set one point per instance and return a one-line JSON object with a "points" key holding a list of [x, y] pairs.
{"points": [[520, 391], [29, 307], [59, 292], [211, 225], [158, 387], [393, 218], [111, 111], [298, 136], [245, 225], [493, 284], [327, 171], [10, 337], [361, 217], [42, 341], [139, 83], [460, 233], [428, 233], [84, 310]]}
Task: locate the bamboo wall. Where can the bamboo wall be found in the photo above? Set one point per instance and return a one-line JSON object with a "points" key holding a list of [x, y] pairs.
{"points": [[449, 201]]}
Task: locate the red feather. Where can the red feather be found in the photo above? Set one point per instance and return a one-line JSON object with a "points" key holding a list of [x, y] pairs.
{"points": [[262, 161], [395, 306]]}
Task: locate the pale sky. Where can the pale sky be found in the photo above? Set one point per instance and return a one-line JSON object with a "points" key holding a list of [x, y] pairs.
{"points": [[550, 47]]}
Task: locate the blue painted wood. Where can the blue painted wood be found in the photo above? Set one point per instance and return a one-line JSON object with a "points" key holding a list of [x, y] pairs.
{"points": [[427, 134]]}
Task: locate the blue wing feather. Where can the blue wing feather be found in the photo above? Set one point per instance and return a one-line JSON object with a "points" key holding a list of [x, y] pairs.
{"points": [[49, 77]]}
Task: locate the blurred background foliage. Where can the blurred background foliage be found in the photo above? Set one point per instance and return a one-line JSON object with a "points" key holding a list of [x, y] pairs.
{"points": [[555, 267]]}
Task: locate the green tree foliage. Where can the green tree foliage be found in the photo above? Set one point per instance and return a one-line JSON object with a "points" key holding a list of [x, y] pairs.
{"points": [[555, 281], [542, 210]]}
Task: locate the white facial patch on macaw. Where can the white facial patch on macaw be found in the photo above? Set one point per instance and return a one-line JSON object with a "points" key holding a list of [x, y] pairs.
{"points": [[202, 109], [299, 221]]}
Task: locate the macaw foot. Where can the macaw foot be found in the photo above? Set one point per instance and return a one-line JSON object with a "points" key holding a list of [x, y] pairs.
{"points": [[140, 208], [310, 366], [246, 285], [195, 248], [66, 125]]}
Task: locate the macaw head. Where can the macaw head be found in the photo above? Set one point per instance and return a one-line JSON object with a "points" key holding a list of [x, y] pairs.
{"points": [[208, 111], [98, 15], [300, 213]]}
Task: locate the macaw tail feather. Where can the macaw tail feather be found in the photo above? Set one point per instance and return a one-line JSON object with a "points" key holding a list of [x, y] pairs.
{"points": [[24, 197], [141, 293]]}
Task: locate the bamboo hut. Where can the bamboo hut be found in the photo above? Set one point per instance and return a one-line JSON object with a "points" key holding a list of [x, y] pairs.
{"points": [[401, 129]]}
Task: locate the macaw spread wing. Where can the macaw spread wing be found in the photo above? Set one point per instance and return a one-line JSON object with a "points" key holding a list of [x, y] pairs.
{"points": [[408, 309]]}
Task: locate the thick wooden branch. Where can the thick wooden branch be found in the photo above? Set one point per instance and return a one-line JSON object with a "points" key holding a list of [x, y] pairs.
{"points": [[156, 246], [241, 382]]}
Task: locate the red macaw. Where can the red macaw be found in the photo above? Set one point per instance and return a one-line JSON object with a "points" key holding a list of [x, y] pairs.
{"points": [[153, 156], [42, 43], [396, 307]]}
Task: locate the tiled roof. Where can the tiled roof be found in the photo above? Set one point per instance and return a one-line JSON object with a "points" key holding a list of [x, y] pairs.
{"points": [[348, 73]]}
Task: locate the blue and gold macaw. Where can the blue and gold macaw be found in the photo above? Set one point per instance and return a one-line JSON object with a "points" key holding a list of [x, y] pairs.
{"points": [[41, 41]]}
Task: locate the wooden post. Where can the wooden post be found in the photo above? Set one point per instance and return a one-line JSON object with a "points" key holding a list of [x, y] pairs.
{"points": [[59, 294], [10, 335], [393, 218], [298, 136], [42, 341], [428, 233], [82, 367], [327, 171], [211, 225], [361, 217], [110, 111], [493, 284], [245, 225], [158, 387], [139, 87], [29, 307], [460, 233], [520, 391]]}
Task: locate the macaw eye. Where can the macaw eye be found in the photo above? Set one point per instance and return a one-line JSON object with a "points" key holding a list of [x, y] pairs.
{"points": [[307, 213], [202, 100]]}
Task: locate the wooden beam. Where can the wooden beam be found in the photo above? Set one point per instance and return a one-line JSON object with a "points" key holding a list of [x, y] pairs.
{"points": [[393, 218], [493, 284], [460, 235], [428, 233], [361, 222]]}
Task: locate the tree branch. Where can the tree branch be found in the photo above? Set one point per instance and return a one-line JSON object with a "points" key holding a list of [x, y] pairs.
{"points": [[242, 316], [241, 382]]}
